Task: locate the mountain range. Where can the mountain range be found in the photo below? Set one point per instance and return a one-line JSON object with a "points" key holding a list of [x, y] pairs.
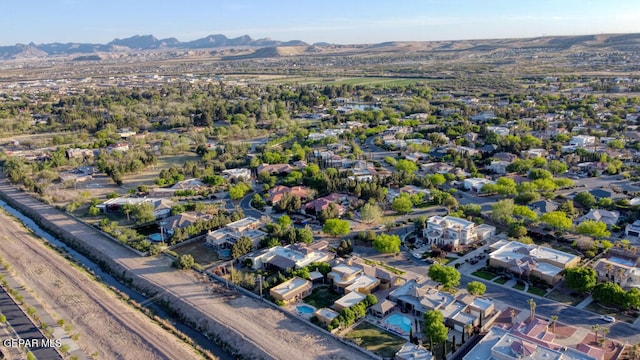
{"points": [[137, 43], [254, 48]]}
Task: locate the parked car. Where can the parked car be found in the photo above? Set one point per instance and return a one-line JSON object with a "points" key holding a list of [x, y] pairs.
{"points": [[608, 318]]}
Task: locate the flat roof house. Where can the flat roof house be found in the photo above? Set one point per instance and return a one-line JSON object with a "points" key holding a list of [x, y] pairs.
{"points": [[348, 300], [291, 290]]}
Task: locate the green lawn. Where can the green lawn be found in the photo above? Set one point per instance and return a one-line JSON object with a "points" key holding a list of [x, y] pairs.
{"points": [[484, 274], [536, 291], [500, 280], [519, 286], [322, 297], [376, 340]]}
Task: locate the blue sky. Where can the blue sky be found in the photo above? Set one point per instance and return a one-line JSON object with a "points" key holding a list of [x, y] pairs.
{"points": [[343, 22]]}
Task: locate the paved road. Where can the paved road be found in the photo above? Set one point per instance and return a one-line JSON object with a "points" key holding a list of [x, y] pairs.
{"points": [[25, 329], [245, 205]]}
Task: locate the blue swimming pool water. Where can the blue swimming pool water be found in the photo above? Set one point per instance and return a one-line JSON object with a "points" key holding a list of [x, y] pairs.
{"points": [[225, 253], [400, 321], [157, 237], [305, 309]]}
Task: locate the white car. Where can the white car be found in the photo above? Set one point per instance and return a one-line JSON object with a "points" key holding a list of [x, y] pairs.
{"points": [[608, 318]]}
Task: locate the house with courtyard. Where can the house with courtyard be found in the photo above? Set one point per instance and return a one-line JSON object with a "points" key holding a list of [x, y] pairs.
{"points": [[410, 351], [525, 260], [348, 300], [161, 207], [293, 256], [277, 192], [240, 174], [292, 290], [475, 184]]}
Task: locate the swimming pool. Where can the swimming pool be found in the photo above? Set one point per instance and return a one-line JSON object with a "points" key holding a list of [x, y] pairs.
{"points": [[621, 261], [399, 322], [225, 253], [305, 309]]}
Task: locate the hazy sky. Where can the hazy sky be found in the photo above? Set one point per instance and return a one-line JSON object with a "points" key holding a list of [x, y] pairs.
{"points": [[336, 21]]}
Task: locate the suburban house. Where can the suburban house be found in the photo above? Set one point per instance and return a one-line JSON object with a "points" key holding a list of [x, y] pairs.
{"points": [[161, 207], [182, 220], [290, 257], [225, 237], [291, 290], [498, 166], [275, 169], [525, 260], [608, 217], [410, 351], [624, 272], [325, 315], [340, 200], [454, 231], [240, 174], [532, 340], [346, 279], [476, 184], [543, 206], [633, 229], [348, 300], [582, 141], [277, 192], [419, 298], [189, 184]]}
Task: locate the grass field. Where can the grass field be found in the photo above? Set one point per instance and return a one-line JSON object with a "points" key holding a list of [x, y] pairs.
{"points": [[376, 340], [536, 291], [202, 254], [322, 297], [149, 175]]}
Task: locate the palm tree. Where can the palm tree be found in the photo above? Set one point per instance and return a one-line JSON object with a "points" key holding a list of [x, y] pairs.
{"points": [[554, 320], [633, 352], [532, 307], [608, 267], [595, 330], [605, 331], [469, 329], [513, 316]]}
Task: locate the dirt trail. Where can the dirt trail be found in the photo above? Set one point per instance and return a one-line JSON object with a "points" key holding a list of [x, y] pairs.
{"points": [[107, 326]]}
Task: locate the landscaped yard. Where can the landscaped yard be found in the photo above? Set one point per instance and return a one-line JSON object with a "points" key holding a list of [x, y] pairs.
{"points": [[500, 280], [605, 310], [564, 298], [519, 286], [484, 274], [536, 291], [322, 297], [376, 340]]}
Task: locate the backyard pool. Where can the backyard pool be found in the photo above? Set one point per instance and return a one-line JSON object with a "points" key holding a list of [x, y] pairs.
{"points": [[398, 323], [305, 309], [157, 237], [225, 254]]}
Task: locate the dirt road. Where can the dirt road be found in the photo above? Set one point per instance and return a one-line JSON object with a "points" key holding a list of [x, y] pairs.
{"points": [[251, 327], [107, 326]]}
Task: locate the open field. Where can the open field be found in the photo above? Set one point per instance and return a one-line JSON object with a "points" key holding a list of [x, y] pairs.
{"points": [[150, 174]]}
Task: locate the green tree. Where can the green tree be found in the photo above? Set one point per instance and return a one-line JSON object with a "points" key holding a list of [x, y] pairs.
{"points": [[402, 203], [185, 261], [336, 227], [476, 288], [437, 179], [557, 167], [434, 328], [370, 213], [503, 211], [557, 220], [407, 166], [238, 191], [632, 298], [386, 244], [596, 229], [143, 212], [305, 235], [535, 174], [609, 293], [525, 212], [448, 276], [585, 199], [581, 279], [241, 247]]}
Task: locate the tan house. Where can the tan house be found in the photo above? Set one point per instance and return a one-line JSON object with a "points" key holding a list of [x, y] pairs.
{"points": [[524, 260], [291, 290], [325, 315]]}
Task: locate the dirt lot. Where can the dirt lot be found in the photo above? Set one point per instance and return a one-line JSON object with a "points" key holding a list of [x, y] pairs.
{"points": [[107, 326]]}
